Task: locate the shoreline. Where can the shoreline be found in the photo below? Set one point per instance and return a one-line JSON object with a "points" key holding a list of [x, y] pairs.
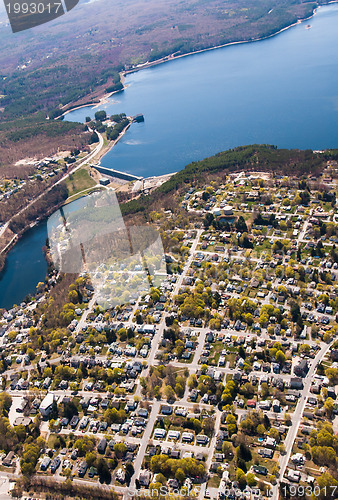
{"points": [[105, 98], [173, 57], [110, 145], [95, 104]]}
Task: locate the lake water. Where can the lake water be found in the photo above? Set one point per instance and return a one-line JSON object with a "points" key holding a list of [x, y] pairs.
{"points": [[282, 91]]}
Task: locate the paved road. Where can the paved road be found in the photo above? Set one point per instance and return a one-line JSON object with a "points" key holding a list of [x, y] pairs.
{"points": [[145, 441], [81, 163], [298, 414]]}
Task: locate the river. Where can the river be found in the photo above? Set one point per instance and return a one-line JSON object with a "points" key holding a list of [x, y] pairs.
{"points": [[282, 91], [25, 267]]}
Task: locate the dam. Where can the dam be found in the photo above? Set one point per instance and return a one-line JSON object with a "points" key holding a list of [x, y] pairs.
{"points": [[116, 173]]}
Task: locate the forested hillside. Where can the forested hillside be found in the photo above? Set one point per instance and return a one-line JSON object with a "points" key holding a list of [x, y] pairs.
{"points": [[247, 158]]}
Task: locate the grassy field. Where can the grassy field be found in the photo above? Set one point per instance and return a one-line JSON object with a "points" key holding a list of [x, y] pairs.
{"points": [[79, 181]]}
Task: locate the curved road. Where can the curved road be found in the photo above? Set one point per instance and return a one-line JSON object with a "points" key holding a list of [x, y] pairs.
{"points": [[81, 163]]}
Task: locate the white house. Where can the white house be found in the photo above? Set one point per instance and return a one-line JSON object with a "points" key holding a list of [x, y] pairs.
{"points": [[149, 329], [47, 405]]}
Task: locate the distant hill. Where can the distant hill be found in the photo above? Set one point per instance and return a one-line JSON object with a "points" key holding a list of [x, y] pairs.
{"points": [[76, 57]]}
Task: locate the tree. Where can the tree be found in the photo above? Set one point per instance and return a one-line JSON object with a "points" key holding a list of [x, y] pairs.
{"points": [[282, 448], [240, 477], [227, 449], [180, 475], [120, 450], [261, 430], [230, 419], [304, 349], [241, 225], [129, 470], [265, 390], [94, 138], [274, 433], [30, 352], [208, 425], [326, 484], [275, 470], [239, 474], [169, 392], [332, 374], [280, 357], [248, 390], [103, 471], [90, 458], [250, 479], [100, 115], [84, 445], [160, 478], [295, 311], [329, 406], [192, 381]]}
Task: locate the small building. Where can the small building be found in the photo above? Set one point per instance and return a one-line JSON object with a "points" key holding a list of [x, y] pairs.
{"points": [[294, 476], [47, 405], [202, 439], [46, 383], [298, 458], [144, 478], [301, 369], [166, 410], [149, 329], [82, 468], [260, 469], [266, 453], [331, 392], [276, 405], [22, 405], [159, 433], [228, 211], [187, 437], [101, 447], [25, 421], [55, 464], [45, 463], [120, 475], [193, 395], [104, 181], [296, 383], [270, 443], [8, 460]]}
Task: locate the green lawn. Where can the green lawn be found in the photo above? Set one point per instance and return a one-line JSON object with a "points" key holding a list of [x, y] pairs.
{"points": [[79, 181]]}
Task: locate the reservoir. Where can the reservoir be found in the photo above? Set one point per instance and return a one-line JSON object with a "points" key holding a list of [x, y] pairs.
{"points": [[282, 91]]}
